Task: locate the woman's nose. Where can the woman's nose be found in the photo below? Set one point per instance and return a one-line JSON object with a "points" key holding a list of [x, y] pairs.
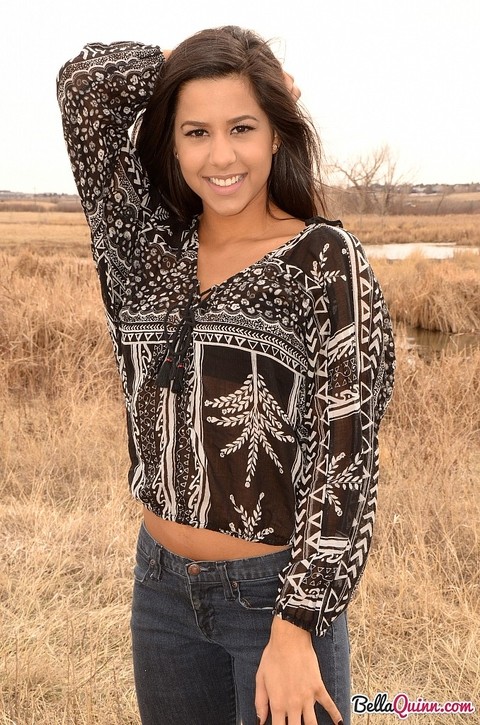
{"points": [[222, 152]]}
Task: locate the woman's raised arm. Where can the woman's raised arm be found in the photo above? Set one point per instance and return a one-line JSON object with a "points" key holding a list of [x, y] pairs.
{"points": [[101, 92]]}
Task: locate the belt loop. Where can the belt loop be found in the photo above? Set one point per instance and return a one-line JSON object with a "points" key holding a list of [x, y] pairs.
{"points": [[159, 561], [227, 586], [156, 563]]}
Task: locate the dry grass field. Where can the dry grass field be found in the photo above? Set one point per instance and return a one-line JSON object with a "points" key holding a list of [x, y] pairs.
{"points": [[463, 229], [68, 526], [44, 232]]}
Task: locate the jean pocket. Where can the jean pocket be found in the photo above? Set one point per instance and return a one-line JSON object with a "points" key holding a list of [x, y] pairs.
{"points": [[257, 593], [145, 568]]}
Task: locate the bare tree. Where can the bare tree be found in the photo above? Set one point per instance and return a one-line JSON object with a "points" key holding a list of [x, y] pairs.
{"points": [[372, 180]]}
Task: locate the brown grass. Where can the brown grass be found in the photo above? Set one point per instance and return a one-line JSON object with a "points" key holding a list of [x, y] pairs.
{"points": [[44, 233], [421, 587], [68, 526], [463, 229], [434, 295]]}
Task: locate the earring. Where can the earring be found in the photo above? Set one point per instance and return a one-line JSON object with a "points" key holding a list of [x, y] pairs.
{"points": [[175, 153], [275, 148]]}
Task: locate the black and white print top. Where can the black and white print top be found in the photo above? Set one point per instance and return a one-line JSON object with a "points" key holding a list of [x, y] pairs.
{"points": [[287, 366]]}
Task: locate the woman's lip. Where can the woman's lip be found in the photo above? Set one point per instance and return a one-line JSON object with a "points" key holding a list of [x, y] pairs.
{"points": [[225, 190]]}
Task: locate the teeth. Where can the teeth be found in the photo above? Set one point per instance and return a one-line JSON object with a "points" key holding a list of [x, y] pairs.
{"points": [[225, 182]]}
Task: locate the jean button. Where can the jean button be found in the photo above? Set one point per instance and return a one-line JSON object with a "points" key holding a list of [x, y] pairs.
{"points": [[152, 562], [193, 569]]}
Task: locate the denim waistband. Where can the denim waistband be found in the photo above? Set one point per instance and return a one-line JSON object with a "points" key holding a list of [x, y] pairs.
{"points": [[255, 567]]}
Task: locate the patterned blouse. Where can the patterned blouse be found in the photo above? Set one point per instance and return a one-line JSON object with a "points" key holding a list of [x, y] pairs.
{"points": [[252, 411]]}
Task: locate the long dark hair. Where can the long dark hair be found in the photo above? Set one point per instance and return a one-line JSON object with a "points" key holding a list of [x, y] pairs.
{"points": [[294, 181]]}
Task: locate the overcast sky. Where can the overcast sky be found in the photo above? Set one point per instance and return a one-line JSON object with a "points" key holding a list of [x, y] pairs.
{"points": [[405, 73]]}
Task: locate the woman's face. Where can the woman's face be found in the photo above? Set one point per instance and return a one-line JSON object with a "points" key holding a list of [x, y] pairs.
{"points": [[224, 144]]}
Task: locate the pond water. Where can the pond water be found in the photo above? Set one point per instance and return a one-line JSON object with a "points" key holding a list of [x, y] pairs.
{"points": [[431, 250], [432, 342]]}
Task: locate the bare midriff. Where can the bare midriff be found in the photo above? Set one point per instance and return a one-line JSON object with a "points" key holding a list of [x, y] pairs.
{"points": [[202, 544]]}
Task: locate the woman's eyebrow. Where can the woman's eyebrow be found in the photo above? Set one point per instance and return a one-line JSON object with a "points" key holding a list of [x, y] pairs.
{"points": [[237, 119]]}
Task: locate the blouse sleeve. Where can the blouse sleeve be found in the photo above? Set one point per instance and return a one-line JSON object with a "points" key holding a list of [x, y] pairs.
{"points": [[350, 339], [100, 93]]}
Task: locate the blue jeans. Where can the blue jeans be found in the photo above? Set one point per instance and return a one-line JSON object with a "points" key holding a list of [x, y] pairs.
{"points": [[198, 633]]}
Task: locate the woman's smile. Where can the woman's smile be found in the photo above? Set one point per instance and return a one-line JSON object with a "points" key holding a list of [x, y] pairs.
{"points": [[226, 185]]}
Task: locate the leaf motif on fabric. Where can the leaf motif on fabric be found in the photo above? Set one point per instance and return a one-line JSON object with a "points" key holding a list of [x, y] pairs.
{"points": [[253, 406], [250, 522], [346, 478]]}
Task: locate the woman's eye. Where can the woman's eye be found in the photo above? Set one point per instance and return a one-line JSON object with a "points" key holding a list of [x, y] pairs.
{"points": [[242, 129], [196, 133]]}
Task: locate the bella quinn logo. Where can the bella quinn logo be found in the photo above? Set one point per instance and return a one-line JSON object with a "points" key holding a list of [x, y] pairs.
{"points": [[403, 707]]}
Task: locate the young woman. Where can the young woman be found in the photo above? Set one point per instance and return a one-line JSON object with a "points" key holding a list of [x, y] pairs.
{"points": [[256, 357]]}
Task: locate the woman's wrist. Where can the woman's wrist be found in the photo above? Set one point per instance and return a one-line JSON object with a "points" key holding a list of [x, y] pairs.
{"points": [[286, 633]]}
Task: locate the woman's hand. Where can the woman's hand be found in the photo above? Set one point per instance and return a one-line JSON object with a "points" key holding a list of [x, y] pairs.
{"points": [[291, 85], [288, 679]]}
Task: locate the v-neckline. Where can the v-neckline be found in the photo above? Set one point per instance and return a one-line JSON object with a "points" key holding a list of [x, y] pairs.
{"points": [[206, 294]]}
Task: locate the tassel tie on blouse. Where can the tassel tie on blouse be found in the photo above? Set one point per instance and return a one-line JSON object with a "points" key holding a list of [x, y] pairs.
{"points": [[172, 369]]}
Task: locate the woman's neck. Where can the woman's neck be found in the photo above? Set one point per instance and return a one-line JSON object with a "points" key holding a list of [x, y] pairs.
{"points": [[216, 230], [234, 244]]}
